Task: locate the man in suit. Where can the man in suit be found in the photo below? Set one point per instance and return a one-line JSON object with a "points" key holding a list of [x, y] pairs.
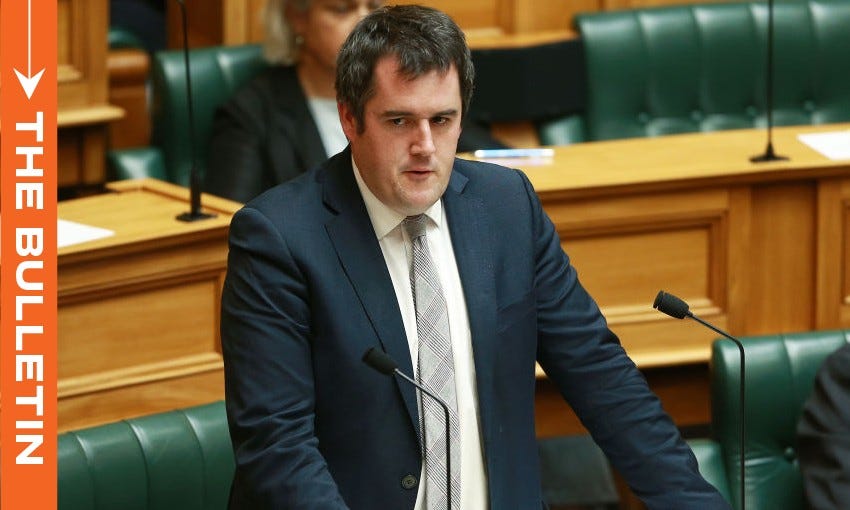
{"points": [[453, 269], [823, 435]]}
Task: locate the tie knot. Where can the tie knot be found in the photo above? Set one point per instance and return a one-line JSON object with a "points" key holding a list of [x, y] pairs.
{"points": [[415, 225]]}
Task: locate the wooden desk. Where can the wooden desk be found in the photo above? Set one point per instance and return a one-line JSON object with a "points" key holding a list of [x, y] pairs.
{"points": [[138, 311], [754, 248]]}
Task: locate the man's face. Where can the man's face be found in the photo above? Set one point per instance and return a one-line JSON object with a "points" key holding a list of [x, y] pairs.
{"points": [[407, 146]]}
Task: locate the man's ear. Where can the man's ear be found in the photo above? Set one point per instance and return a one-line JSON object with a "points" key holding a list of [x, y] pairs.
{"points": [[347, 120]]}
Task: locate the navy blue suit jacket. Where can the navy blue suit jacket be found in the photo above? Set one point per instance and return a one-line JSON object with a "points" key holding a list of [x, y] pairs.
{"points": [[307, 292]]}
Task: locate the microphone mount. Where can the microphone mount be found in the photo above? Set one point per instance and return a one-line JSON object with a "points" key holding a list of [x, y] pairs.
{"points": [[195, 213], [678, 309], [769, 154], [383, 363]]}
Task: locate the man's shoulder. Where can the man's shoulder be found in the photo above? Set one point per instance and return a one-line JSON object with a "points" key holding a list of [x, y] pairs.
{"points": [[483, 176], [303, 197], [299, 192]]}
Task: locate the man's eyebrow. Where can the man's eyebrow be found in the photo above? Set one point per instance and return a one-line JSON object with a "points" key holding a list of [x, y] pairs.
{"points": [[403, 113], [396, 113]]}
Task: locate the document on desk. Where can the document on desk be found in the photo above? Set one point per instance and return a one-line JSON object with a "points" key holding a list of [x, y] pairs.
{"points": [[516, 157], [69, 233], [835, 144]]}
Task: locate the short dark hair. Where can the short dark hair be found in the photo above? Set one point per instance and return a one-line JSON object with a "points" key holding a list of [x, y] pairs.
{"points": [[421, 38]]}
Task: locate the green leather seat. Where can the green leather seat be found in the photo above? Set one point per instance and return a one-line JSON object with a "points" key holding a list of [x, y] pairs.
{"points": [[701, 67], [216, 73], [780, 372], [175, 460]]}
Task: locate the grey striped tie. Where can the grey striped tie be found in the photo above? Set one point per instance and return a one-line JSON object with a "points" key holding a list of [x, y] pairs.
{"points": [[435, 369]]}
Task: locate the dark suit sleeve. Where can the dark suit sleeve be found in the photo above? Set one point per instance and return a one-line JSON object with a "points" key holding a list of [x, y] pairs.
{"points": [[269, 388], [236, 166], [823, 436], [604, 387]]}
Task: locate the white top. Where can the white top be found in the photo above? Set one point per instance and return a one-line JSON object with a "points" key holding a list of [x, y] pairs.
{"points": [[398, 254], [326, 117]]}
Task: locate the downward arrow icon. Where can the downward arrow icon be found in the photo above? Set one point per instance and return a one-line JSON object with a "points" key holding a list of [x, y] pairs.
{"points": [[29, 82]]}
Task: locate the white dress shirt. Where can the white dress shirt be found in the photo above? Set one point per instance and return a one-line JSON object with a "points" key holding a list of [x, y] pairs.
{"points": [[397, 251], [326, 117]]}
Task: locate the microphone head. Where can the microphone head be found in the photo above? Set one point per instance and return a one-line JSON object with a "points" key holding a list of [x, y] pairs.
{"points": [[671, 305], [380, 361]]}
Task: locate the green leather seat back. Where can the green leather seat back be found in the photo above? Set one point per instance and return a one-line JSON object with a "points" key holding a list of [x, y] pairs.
{"points": [[180, 459], [702, 67], [216, 73], [780, 374], [710, 460]]}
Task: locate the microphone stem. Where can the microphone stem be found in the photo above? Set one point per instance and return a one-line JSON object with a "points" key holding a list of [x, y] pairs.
{"points": [[742, 410], [445, 407]]}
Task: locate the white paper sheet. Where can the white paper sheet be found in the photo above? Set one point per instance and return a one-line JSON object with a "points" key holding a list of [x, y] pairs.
{"points": [[69, 233], [834, 144]]}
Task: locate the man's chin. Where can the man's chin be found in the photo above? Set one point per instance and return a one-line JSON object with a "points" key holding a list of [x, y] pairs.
{"points": [[418, 205]]}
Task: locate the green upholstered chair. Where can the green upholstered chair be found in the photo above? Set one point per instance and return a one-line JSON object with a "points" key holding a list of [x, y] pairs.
{"points": [[780, 372], [180, 459], [701, 67], [121, 38], [216, 73]]}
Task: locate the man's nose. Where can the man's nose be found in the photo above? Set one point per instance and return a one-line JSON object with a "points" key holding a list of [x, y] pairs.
{"points": [[424, 142]]}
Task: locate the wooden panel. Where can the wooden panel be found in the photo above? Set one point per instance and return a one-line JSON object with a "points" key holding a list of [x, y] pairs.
{"points": [[128, 75], [83, 112], [782, 259], [108, 334], [542, 15], [81, 153], [206, 23], [843, 256], [469, 14], [86, 410], [833, 254], [626, 248], [82, 54], [676, 255]]}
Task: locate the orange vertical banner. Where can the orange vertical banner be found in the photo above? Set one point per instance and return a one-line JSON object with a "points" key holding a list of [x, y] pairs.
{"points": [[28, 184]]}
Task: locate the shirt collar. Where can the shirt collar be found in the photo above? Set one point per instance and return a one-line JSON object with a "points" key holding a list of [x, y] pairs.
{"points": [[384, 219]]}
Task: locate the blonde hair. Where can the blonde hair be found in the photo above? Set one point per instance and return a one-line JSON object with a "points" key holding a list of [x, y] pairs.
{"points": [[280, 46]]}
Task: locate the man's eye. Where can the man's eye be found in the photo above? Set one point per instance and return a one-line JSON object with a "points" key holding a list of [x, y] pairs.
{"points": [[440, 120], [397, 122]]}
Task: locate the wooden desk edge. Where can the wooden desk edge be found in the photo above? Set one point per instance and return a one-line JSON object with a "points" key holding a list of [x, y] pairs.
{"points": [[167, 189]]}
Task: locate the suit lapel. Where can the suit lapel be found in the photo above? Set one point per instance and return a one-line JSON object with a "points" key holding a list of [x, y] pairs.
{"points": [[473, 241], [353, 238]]}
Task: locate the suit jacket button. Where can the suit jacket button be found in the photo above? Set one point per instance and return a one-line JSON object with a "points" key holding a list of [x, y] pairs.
{"points": [[408, 482]]}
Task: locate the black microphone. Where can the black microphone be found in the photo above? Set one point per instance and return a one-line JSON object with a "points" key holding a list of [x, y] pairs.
{"points": [[678, 309], [195, 212], [383, 363], [769, 154]]}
